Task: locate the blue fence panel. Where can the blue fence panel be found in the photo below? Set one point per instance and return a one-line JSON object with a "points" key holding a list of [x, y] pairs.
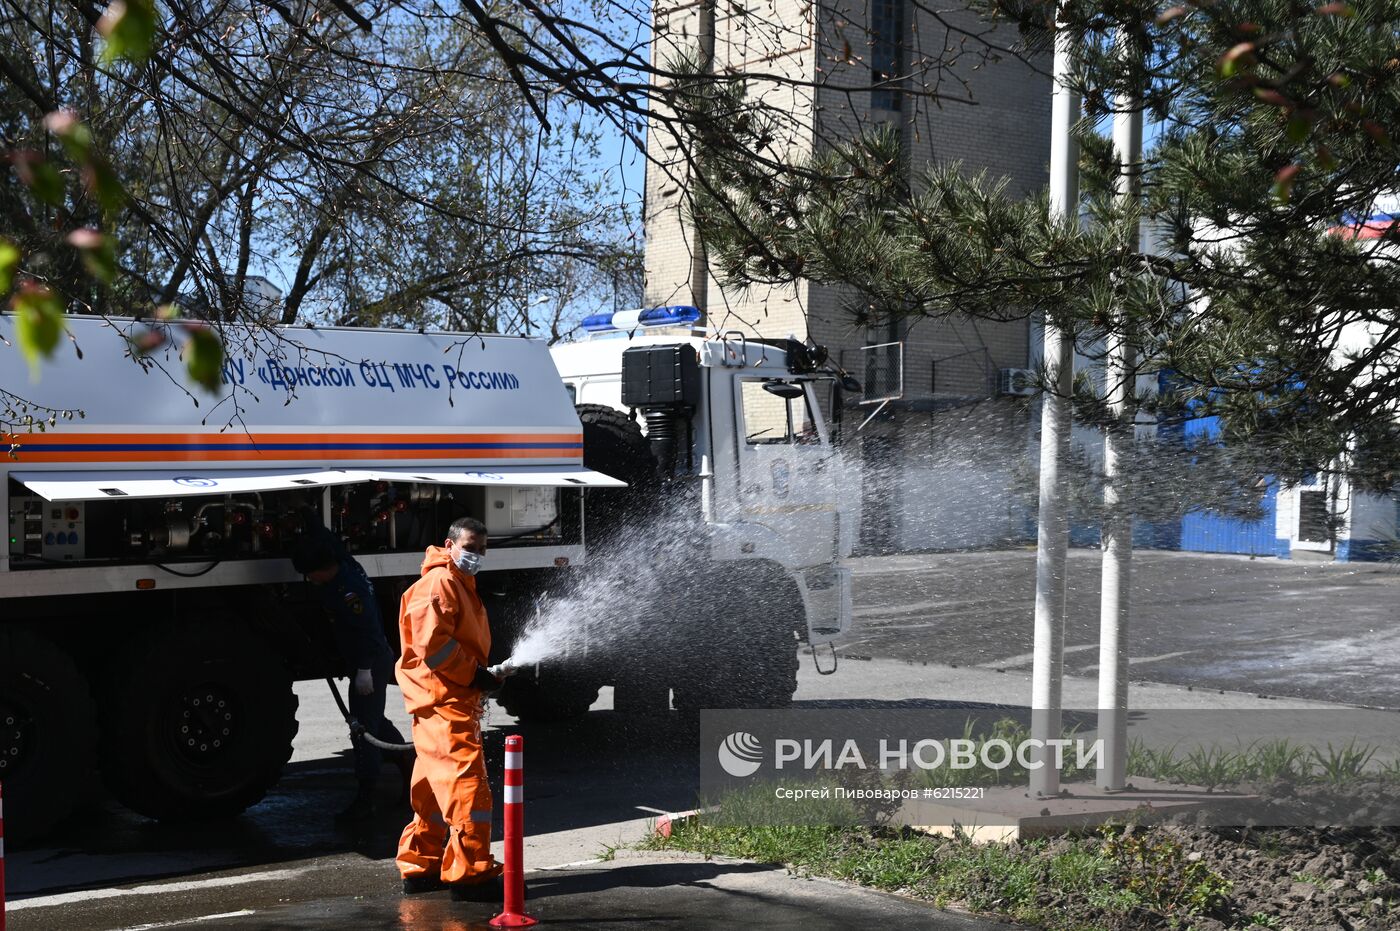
{"points": [[1209, 532], [1201, 531]]}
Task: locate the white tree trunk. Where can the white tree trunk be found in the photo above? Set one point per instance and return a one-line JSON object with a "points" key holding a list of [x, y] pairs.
{"points": [[1052, 542], [1117, 530]]}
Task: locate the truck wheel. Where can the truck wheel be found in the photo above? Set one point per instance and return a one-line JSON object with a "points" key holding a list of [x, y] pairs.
{"points": [[48, 734], [199, 724], [755, 675], [534, 702], [752, 661], [614, 445]]}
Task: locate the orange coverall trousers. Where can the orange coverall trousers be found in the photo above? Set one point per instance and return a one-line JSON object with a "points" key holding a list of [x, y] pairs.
{"points": [[450, 833]]}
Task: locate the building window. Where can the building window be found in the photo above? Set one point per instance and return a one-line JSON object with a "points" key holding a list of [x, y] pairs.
{"points": [[1313, 523], [886, 53]]}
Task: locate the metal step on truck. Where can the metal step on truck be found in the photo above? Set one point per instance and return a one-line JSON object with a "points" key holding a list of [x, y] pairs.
{"points": [[151, 624]]}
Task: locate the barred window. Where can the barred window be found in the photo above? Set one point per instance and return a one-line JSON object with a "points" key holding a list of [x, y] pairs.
{"points": [[886, 53]]}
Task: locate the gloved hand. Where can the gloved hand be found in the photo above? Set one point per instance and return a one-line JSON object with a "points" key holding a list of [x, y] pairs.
{"points": [[364, 682], [484, 680]]}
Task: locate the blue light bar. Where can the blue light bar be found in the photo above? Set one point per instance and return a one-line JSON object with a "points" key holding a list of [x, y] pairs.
{"points": [[674, 315]]}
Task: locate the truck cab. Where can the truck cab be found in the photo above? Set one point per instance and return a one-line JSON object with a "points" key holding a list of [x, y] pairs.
{"points": [[735, 425]]}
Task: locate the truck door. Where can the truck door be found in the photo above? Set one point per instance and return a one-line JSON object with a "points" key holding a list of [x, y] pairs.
{"points": [[788, 477], [784, 458]]}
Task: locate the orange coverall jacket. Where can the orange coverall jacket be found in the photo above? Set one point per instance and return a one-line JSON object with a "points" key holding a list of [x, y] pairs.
{"points": [[444, 634]]}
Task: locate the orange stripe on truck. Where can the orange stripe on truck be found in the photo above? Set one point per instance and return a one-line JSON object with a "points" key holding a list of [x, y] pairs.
{"points": [[255, 447]]}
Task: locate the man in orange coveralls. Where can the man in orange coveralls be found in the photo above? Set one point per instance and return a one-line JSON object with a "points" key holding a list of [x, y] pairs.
{"points": [[442, 672]]}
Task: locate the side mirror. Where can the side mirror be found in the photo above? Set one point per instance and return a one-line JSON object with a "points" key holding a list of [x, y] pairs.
{"points": [[850, 383], [784, 389]]}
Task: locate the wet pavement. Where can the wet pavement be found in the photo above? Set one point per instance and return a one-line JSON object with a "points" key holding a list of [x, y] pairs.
{"points": [[590, 785], [1324, 631], [635, 890]]}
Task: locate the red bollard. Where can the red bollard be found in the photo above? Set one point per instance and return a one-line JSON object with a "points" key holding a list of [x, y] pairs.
{"points": [[513, 913], [2, 856]]}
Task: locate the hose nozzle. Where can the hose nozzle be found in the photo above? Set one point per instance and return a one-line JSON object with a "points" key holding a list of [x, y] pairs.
{"points": [[504, 668]]}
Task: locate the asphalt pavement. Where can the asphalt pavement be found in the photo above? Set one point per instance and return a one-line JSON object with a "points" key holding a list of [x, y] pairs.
{"points": [[634, 890], [1317, 630]]}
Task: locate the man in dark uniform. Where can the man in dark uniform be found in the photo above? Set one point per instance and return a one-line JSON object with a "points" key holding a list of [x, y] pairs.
{"points": [[347, 596]]}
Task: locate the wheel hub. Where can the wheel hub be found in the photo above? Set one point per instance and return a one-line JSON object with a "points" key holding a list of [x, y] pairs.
{"points": [[206, 721], [14, 738]]}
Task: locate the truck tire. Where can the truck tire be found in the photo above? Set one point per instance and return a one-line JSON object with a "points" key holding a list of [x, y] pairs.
{"points": [[614, 445], [751, 660], [48, 734], [535, 702], [199, 723], [757, 675]]}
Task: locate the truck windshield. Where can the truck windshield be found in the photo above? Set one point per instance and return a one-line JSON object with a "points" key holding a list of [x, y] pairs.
{"points": [[769, 419]]}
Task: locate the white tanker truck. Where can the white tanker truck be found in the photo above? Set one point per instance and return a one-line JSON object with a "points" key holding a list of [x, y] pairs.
{"points": [[151, 624]]}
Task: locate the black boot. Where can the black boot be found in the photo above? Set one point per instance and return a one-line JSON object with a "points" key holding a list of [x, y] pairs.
{"points": [[361, 807], [492, 890], [412, 885]]}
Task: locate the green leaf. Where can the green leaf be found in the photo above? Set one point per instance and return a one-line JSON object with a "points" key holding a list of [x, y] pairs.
{"points": [[1283, 182], [129, 27], [48, 184], [9, 261], [72, 132], [38, 323], [99, 253], [1238, 56], [1299, 127], [204, 357], [40, 176], [105, 185]]}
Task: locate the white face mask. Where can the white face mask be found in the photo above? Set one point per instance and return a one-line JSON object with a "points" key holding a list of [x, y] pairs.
{"points": [[467, 561]]}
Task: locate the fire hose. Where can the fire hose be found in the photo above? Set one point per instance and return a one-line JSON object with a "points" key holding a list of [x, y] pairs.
{"points": [[359, 732]]}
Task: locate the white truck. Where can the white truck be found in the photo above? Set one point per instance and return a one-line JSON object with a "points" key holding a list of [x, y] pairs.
{"points": [[151, 624]]}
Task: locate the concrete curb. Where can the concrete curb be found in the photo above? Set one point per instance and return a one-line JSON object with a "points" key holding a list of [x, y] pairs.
{"points": [[665, 823]]}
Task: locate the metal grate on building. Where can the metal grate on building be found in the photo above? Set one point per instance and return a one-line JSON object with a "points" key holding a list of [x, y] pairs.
{"points": [[884, 372]]}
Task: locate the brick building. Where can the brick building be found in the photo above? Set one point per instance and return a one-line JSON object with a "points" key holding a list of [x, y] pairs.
{"points": [[940, 461]]}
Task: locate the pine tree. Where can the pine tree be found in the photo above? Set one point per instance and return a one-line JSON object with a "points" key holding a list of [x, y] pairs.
{"points": [[1264, 298]]}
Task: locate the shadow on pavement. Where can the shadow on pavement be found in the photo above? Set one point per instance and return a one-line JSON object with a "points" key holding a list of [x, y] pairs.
{"points": [[643, 876]]}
